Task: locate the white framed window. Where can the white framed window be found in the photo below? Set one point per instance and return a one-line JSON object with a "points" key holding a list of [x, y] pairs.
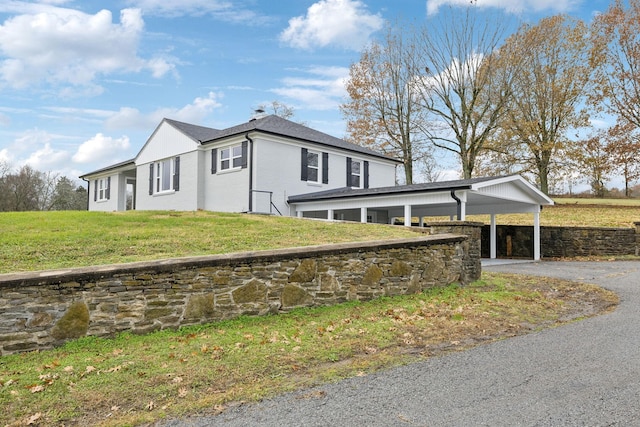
{"points": [[164, 176], [231, 157], [356, 174], [313, 166], [102, 189]]}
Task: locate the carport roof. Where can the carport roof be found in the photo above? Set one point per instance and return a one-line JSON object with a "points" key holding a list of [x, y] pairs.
{"points": [[348, 192], [487, 195]]}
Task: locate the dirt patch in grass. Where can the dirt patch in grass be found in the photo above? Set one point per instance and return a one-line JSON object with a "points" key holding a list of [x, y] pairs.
{"points": [[134, 380]]}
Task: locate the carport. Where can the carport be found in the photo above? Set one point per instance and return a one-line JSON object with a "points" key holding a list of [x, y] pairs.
{"points": [[454, 199]]}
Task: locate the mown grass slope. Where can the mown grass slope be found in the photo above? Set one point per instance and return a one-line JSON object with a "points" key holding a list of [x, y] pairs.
{"points": [[52, 240]]}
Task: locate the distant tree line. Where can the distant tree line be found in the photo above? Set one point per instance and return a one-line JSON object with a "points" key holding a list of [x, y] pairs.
{"points": [[27, 189], [502, 100]]}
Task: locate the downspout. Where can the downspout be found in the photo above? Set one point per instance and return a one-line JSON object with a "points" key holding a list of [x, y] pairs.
{"points": [[459, 203], [250, 160], [88, 192]]}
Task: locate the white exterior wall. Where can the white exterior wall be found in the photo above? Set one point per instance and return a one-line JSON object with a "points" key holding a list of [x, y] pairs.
{"points": [[277, 168], [186, 199], [113, 202], [226, 190], [167, 143]]}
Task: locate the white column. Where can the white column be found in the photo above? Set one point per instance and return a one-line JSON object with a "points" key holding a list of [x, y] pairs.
{"points": [[330, 214], [299, 214], [421, 221], [407, 215], [493, 237], [536, 235], [363, 214]]}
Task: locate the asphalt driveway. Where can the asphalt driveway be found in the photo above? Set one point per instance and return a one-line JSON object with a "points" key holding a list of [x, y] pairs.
{"points": [[583, 374]]}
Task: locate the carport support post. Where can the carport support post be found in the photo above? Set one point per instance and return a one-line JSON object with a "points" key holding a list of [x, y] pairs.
{"points": [[363, 214], [536, 235], [492, 237], [407, 215], [330, 214]]}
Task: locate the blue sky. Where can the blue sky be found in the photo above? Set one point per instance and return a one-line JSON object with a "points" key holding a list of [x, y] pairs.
{"points": [[84, 83]]}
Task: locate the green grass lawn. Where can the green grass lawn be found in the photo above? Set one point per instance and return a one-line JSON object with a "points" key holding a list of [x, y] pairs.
{"points": [[52, 240], [131, 380]]}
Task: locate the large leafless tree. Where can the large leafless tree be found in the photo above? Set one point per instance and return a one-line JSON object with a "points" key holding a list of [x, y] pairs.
{"points": [[383, 111], [464, 84]]}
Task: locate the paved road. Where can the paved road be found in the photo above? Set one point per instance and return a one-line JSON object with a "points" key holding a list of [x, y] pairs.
{"points": [[583, 374]]}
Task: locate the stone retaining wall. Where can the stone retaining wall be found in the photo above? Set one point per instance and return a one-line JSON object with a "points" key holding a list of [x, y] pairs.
{"points": [[517, 241], [44, 309]]}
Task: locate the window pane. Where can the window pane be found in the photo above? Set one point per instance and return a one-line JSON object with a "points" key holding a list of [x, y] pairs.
{"points": [[237, 151], [355, 180], [355, 168], [312, 159], [224, 158], [166, 175], [312, 175]]}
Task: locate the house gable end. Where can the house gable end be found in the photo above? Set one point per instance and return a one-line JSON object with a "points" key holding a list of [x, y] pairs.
{"points": [[165, 141]]}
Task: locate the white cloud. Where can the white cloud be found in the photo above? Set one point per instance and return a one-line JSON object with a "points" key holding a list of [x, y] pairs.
{"points": [[35, 148], [511, 6], [132, 118], [69, 47], [4, 156], [100, 147], [323, 91], [343, 23], [47, 158]]}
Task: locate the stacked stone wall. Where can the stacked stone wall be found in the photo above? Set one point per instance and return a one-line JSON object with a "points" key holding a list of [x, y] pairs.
{"points": [[41, 310], [516, 241]]}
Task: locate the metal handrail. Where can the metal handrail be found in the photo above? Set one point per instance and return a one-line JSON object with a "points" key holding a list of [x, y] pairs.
{"points": [[271, 205]]}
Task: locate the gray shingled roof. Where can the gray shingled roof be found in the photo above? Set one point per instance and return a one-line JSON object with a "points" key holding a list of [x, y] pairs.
{"points": [[347, 192], [198, 133], [130, 162], [278, 126]]}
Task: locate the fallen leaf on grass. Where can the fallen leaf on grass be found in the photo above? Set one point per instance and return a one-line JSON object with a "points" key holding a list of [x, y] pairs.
{"points": [[37, 388], [182, 392], [33, 418], [151, 405]]}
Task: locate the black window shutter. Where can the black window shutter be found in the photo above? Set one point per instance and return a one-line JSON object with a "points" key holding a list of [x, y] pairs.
{"points": [[95, 190], [176, 175], [150, 179], [108, 190], [348, 171], [366, 174], [214, 160], [303, 165], [244, 153], [325, 168]]}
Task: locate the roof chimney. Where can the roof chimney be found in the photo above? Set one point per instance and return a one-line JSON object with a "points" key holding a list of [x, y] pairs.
{"points": [[259, 113]]}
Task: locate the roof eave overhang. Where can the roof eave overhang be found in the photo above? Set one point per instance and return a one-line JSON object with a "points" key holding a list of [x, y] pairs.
{"points": [[310, 141], [294, 200], [123, 166]]}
